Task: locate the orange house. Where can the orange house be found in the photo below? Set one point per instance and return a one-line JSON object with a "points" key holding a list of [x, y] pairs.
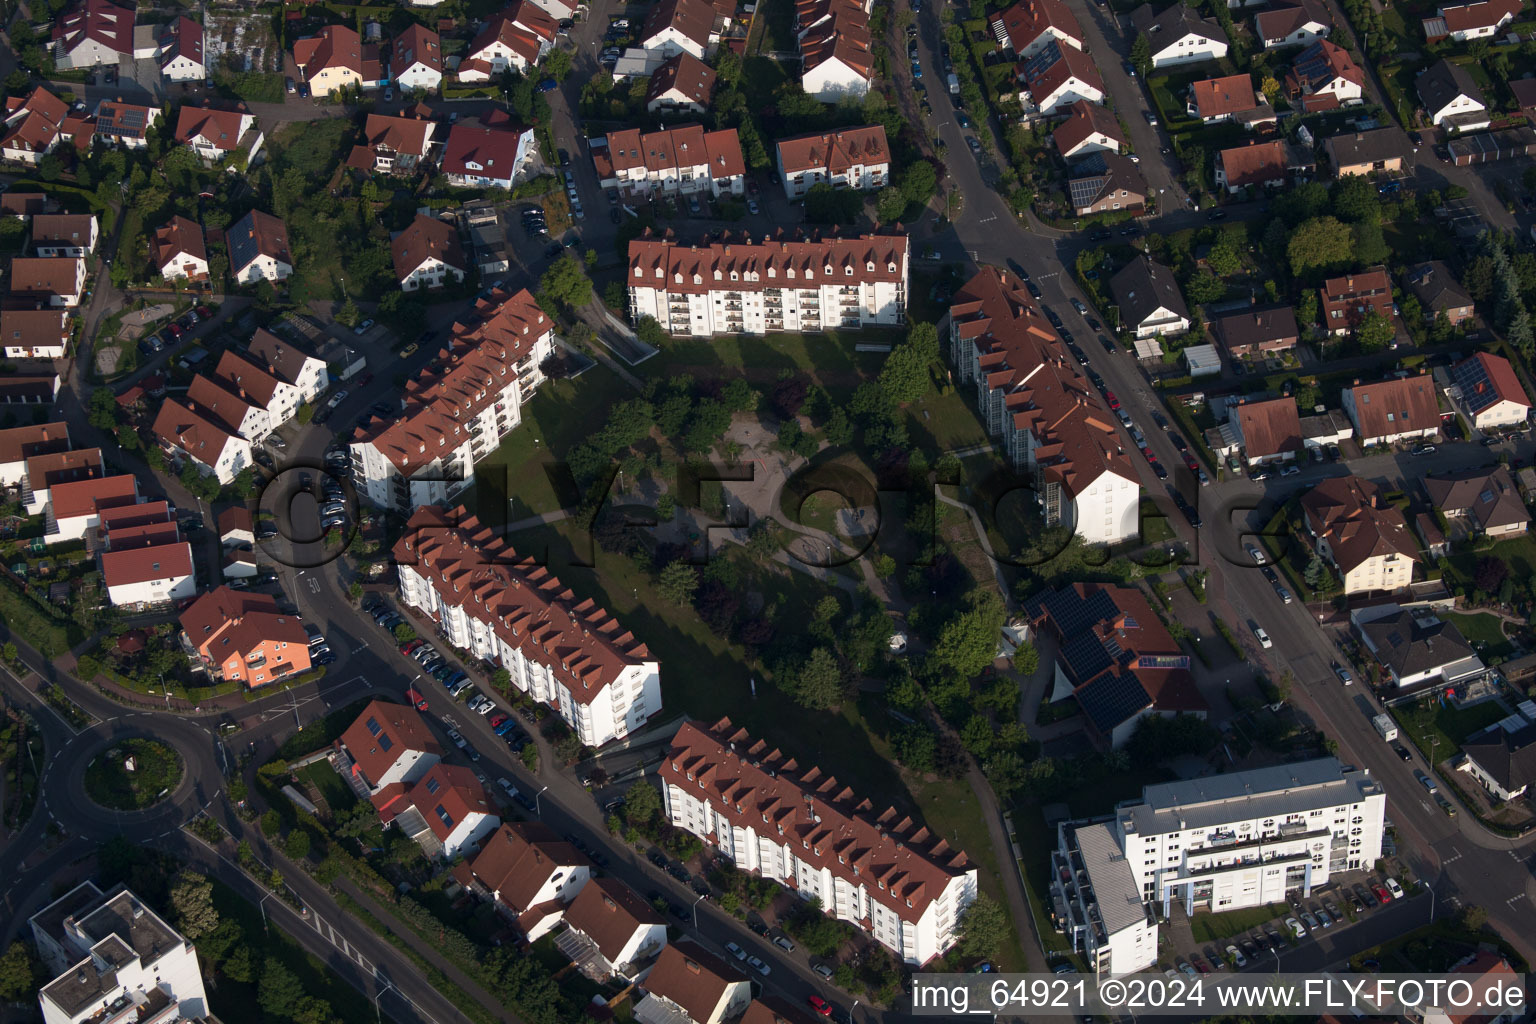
{"points": [[245, 637]]}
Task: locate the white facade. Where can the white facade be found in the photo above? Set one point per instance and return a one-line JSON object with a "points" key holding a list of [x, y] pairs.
{"points": [[163, 589], [468, 833], [1161, 320], [183, 68], [430, 273], [832, 81], [59, 249], [419, 76], [235, 456], [263, 268], [1108, 510], [115, 959], [811, 307], [609, 714], [1062, 96], [1189, 48], [1303, 35], [861, 177], [476, 175], [1116, 936], [670, 41], [1461, 105], [773, 856], [184, 265]]}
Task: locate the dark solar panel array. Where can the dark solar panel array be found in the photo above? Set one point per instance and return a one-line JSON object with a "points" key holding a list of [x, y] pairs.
{"points": [[1111, 699], [1038, 64]]}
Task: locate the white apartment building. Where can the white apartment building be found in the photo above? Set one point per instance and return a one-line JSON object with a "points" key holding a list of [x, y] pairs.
{"points": [[568, 654], [729, 288], [1217, 843], [685, 160], [1031, 396], [456, 414], [186, 432], [531, 874], [886, 874], [856, 158], [306, 373], [611, 930], [114, 959], [230, 408], [387, 744], [276, 400]]}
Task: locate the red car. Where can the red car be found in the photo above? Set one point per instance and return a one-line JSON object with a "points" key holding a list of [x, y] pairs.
{"points": [[415, 698], [497, 719], [410, 645], [175, 330], [365, 380], [1150, 456], [1382, 893], [1189, 460], [204, 312], [1109, 396], [820, 1005]]}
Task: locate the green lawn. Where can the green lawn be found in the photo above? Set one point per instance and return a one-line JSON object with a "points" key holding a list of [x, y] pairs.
{"points": [[156, 769], [1447, 724], [819, 511], [942, 423], [1485, 632], [1215, 927], [778, 18], [333, 788]]}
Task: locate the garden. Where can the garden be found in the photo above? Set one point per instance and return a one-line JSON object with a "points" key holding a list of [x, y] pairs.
{"points": [[133, 774]]}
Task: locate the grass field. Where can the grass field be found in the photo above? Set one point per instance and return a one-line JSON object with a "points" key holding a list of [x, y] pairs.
{"points": [[1215, 927], [1449, 725], [332, 787], [1485, 632], [1518, 553]]}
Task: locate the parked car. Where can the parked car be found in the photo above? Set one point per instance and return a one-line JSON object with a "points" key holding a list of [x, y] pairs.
{"points": [[1383, 894], [758, 966], [783, 942], [1262, 637], [820, 1005], [1236, 956], [735, 951]]}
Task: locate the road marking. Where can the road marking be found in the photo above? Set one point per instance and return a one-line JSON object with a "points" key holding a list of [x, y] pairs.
{"points": [[1425, 804], [1515, 898], [987, 220], [1453, 860]]}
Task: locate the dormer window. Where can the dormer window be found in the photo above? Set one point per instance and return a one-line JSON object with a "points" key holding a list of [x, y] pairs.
{"points": [[870, 266], [641, 273], [805, 844], [690, 776]]}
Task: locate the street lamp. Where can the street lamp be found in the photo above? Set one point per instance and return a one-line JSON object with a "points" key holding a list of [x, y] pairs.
{"points": [[296, 721], [1431, 902], [261, 906], [536, 802], [702, 897]]}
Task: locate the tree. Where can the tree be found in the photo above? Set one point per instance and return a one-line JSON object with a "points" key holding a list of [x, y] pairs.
{"points": [[566, 283], [1489, 574], [1270, 87], [642, 803], [1204, 287], [1141, 54], [192, 902], [905, 375], [919, 181], [890, 204], [915, 747], [789, 394], [678, 582], [1354, 200], [19, 976], [817, 683], [827, 205], [103, 410], [983, 928], [967, 642], [1472, 917], [557, 64], [296, 846], [1375, 332], [1026, 660], [1320, 244], [404, 633], [280, 990]]}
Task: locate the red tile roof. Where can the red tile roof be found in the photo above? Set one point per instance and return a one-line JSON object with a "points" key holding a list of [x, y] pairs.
{"points": [[584, 648], [185, 39], [416, 45], [1269, 428], [62, 229], [1496, 376], [98, 21], [221, 404], [772, 261], [493, 150], [1490, 969], [834, 29], [1025, 21], [337, 46], [191, 430], [834, 152], [1398, 405], [454, 789], [399, 134], [694, 19], [34, 328], [141, 565], [1222, 97], [518, 859], [519, 28], [33, 121], [46, 275], [126, 537], [1045, 77], [609, 912], [180, 236], [1358, 524], [122, 517], [1483, 15], [686, 74], [247, 380], [899, 863], [266, 233], [19, 443], [403, 726], [1046, 394], [234, 518], [442, 400], [1254, 164], [426, 238], [219, 127], [43, 471], [1083, 120], [692, 978], [685, 146], [85, 497]]}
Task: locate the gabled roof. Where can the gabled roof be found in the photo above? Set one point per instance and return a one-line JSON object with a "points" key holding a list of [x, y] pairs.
{"points": [[33, 328], [1083, 120], [220, 403], [416, 45], [1269, 428], [233, 519], [1372, 280], [1484, 380], [380, 736], [1398, 405], [1282, 21], [426, 238], [1051, 68], [1103, 175], [1023, 23], [98, 21], [62, 229], [1222, 97], [833, 30], [520, 28], [1174, 23], [1510, 757], [1484, 14], [1257, 326], [33, 121], [1320, 63], [1436, 287], [218, 126], [447, 795], [608, 912], [1350, 514], [141, 565], [517, 860], [76, 498], [686, 74], [1142, 287], [191, 430], [1524, 91], [254, 235], [1254, 164], [1442, 82], [180, 236], [491, 151], [1378, 144], [694, 979], [43, 471], [690, 270], [123, 121], [46, 275], [20, 443], [280, 357], [337, 46], [411, 135], [246, 379], [834, 152], [1488, 495], [183, 39], [685, 146], [694, 19]]}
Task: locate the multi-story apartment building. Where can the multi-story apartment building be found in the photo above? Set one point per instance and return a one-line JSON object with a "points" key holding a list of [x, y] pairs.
{"points": [[1031, 395], [1360, 534], [674, 161], [836, 49], [184, 431], [456, 411], [564, 652], [245, 637], [856, 158], [887, 875], [1217, 843], [742, 288], [293, 366], [113, 959]]}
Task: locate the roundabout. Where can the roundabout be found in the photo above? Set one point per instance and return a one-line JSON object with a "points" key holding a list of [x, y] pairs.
{"points": [[133, 774]]}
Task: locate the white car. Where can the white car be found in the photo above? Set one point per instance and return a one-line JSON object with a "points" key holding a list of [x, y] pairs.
{"points": [[1262, 637], [758, 966], [1237, 956], [1395, 889], [337, 399], [1255, 554], [1296, 927]]}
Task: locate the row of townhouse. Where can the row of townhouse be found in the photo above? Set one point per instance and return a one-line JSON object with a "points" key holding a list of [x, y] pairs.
{"points": [[685, 160], [456, 412], [772, 286], [836, 49], [879, 871], [1033, 398], [1215, 844], [44, 287], [503, 608]]}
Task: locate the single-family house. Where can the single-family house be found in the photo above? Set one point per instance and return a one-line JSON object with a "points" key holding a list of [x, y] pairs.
{"points": [[64, 234], [1438, 291], [1103, 181], [1025, 28], [1179, 36], [1056, 77], [486, 156], [1257, 331], [427, 254], [1362, 536], [1324, 76], [1214, 100], [258, 249], [1088, 128], [1503, 761], [92, 33], [388, 744], [186, 432], [1269, 431], [690, 985], [1485, 388], [18, 444], [34, 333], [146, 564], [530, 873], [123, 125], [1415, 648], [1464, 22], [1258, 163], [1376, 151], [517, 38], [447, 811], [245, 637], [611, 932], [179, 250], [394, 145], [416, 58], [1392, 410], [1149, 299], [57, 281], [836, 57], [679, 26], [1292, 24], [33, 126], [683, 84], [1485, 499], [181, 51], [1348, 298], [213, 132], [1451, 98], [305, 372]]}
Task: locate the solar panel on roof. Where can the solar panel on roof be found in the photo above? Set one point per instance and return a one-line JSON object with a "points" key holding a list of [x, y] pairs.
{"points": [[1110, 700], [1085, 191]]}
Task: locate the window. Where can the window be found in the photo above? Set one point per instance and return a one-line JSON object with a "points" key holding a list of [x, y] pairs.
{"points": [[432, 786], [444, 816]]}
